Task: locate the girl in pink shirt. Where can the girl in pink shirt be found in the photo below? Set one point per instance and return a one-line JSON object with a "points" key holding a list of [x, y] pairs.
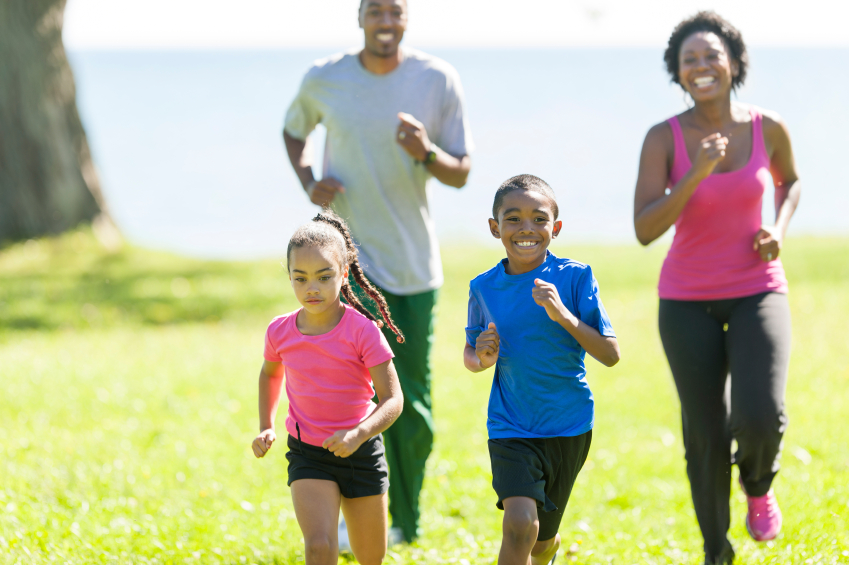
{"points": [[334, 359]]}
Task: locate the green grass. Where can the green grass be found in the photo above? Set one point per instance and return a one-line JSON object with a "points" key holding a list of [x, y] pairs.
{"points": [[128, 408]]}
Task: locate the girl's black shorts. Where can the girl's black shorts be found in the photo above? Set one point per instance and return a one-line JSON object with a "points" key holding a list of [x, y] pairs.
{"points": [[363, 473]]}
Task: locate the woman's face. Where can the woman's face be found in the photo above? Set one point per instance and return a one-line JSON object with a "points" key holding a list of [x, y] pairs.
{"points": [[705, 67]]}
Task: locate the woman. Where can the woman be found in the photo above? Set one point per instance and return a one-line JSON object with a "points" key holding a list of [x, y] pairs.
{"points": [[723, 304]]}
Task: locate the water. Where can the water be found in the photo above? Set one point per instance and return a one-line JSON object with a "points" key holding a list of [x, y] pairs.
{"points": [[189, 147]]}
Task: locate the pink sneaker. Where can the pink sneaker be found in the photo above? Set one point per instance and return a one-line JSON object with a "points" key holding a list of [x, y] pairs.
{"points": [[764, 517]]}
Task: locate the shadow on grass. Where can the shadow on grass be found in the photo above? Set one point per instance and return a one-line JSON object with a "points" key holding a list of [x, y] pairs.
{"points": [[69, 282]]}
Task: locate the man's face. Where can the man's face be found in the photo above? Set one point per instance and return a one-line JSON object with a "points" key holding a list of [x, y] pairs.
{"points": [[384, 23]]}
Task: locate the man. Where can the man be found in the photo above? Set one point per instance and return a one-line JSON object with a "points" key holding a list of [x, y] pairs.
{"points": [[394, 118]]}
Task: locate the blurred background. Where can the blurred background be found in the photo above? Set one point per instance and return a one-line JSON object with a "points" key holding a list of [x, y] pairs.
{"points": [[183, 104]]}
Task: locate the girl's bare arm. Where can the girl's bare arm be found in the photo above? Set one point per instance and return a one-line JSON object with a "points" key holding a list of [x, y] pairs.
{"points": [[391, 401], [270, 387]]}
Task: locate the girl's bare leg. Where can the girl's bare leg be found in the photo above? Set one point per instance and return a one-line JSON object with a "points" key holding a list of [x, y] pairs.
{"points": [[317, 510], [368, 525]]}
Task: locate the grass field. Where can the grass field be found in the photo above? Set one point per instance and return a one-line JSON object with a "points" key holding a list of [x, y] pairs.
{"points": [[129, 394]]}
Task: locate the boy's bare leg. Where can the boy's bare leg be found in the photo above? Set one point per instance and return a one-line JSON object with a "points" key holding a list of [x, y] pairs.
{"points": [[519, 530], [317, 510], [544, 550], [368, 526]]}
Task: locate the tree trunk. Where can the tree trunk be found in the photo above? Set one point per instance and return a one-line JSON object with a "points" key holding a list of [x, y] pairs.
{"points": [[48, 183]]}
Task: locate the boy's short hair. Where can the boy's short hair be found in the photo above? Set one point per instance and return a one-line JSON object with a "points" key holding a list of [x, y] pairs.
{"points": [[529, 183]]}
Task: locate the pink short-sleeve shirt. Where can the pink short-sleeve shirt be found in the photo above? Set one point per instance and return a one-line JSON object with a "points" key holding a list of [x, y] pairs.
{"points": [[327, 379]]}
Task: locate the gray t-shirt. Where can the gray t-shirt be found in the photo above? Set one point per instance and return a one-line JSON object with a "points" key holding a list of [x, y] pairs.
{"points": [[386, 196]]}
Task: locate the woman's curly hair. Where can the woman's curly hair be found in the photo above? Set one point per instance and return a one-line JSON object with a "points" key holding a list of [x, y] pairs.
{"points": [[707, 21]]}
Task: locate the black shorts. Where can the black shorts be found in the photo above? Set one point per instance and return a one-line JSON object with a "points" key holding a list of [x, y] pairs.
{"points": [[363, 473], [543, 469]]}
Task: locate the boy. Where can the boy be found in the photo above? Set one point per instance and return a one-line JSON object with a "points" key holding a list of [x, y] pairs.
{"points": [[534, 316]]}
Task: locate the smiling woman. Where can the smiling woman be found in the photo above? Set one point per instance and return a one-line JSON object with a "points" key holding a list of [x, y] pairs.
{"points": [[723, 304]]}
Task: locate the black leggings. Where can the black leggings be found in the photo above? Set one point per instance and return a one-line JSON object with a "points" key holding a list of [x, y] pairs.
{"points": [[705, 341]]}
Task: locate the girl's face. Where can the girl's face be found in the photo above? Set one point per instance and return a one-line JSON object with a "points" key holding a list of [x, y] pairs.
{"points": [[526, 226], [316, 277], [705, 67]]}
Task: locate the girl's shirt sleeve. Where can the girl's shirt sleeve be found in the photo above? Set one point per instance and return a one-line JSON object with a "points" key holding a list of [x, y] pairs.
{"points": [[476, 322], [373, 347], [270, 353], [590, 309]]}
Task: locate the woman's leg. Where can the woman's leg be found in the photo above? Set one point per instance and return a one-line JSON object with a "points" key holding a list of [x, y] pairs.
{"points": [[368, 525], [694, 341], [316, 504], [758, 342]]}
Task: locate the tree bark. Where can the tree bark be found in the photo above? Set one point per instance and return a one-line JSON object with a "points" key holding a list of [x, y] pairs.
{"points": [[48, 183]]}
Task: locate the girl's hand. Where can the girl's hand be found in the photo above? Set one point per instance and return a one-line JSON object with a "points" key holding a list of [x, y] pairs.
{"points": [[768, 243], [263, 442], [711, 152], [343, 443], [487, 345], [545, 294]]}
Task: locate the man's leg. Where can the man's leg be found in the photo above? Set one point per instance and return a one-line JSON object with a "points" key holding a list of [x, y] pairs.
{"points": [[410, 439]]}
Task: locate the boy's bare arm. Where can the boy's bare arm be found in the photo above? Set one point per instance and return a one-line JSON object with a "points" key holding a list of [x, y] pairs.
{"points": [[605, 349]]}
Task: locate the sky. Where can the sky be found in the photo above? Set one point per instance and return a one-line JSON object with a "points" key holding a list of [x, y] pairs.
{"points": [[252, 24]]}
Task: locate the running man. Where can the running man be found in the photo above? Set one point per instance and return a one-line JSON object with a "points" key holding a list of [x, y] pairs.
{"points": [[395, 118]]}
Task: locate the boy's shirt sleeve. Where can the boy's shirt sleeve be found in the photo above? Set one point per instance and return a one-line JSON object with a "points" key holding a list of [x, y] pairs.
{"points": [[476, 322], [590, 309]]}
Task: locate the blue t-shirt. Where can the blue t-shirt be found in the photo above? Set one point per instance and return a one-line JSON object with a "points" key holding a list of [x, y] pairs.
{"points": [[540, 387]]}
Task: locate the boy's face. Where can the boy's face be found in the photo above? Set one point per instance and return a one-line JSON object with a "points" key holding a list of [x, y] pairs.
{"points": [[526, 226]]}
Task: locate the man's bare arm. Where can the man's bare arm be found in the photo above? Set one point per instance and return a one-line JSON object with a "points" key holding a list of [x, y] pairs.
{"points": [[320, 192]]}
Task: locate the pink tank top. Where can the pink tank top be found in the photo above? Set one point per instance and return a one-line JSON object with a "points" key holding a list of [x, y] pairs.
{"points": [[711, 257]]}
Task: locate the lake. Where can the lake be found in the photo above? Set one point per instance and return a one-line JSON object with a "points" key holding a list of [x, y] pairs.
{"points": [[189, 149]]}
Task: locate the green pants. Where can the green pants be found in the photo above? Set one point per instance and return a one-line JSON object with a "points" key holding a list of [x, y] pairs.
{"points": [[409, 440]]}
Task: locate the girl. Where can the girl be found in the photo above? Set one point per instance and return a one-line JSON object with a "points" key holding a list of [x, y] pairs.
{"points": [[335, 358]]}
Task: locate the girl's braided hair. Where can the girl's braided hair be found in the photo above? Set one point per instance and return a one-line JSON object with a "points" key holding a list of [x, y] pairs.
{"points": [[329, 230]]}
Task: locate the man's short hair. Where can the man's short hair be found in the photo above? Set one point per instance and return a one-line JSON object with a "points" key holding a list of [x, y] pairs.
{"points": [[528, 183]]}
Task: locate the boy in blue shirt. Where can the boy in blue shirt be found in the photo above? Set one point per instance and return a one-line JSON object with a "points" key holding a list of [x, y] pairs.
{"points": [[534, 316]]}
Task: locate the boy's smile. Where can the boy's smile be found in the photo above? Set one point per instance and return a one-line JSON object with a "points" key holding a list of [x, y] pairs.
{"points": [[526, 226]]}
